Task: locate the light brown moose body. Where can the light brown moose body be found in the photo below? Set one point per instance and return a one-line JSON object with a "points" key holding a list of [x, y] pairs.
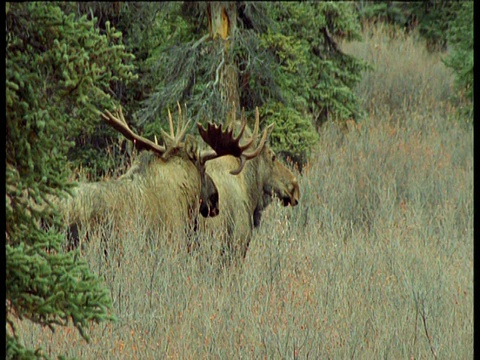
{"points": [[243, 197], [166, 188], [141, 199]]}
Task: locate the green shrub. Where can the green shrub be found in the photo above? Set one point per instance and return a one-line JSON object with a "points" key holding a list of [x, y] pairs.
{"points": [[460, 58], [294, 135], [58, 73]]}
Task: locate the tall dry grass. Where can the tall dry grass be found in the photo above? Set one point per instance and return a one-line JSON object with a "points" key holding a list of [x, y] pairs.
{"points": [[375, 262], [405, 74]]}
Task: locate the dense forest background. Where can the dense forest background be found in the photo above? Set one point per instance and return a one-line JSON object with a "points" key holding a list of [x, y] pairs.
{"points": [[282, 57], [67, 61]]}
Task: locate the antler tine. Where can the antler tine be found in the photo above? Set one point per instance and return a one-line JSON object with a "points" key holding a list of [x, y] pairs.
{"points": [[255, 130], [260, 146], [248, 156], [182, 129], [180, 118], [122, 118], [254, 153], [118, 123], [242, 129], [119, 115], [170, 122], [173, 140], [224, 143], [257, 122]]}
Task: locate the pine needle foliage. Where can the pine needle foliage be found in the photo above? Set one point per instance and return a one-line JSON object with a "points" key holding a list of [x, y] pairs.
{"points": [[141, 35], [313, 68], [460, 58], [58, 72], [294, 137], [283, 53]]}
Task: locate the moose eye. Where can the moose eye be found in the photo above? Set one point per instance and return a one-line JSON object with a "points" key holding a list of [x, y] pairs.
{"points": [[273, 157]]}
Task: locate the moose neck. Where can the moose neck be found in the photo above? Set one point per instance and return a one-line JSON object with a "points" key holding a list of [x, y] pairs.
{"points": [[253, 176]]}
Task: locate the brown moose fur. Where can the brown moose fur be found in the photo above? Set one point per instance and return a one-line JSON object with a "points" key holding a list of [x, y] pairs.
{"points": [[162, 193], [242, 198]]}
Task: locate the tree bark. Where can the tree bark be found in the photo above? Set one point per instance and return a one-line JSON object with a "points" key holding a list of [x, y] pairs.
{"points": [[222, 24]]}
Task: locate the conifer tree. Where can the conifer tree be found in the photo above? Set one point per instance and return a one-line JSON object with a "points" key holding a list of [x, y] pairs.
{"points": [[284, 58], [58, 73], [460, 59]]}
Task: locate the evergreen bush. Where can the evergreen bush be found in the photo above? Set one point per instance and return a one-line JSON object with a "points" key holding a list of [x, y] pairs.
{"points": [[58, 73]]}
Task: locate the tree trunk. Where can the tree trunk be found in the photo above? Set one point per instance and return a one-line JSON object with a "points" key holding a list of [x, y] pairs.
{"points": [[222, 24]]}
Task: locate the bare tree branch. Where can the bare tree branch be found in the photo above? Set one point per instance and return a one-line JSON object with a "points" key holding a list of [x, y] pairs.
{"points": [[429, 337]]}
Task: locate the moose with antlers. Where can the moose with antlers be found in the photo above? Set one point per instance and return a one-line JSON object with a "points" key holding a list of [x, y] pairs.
{"points": [[167, 186]]}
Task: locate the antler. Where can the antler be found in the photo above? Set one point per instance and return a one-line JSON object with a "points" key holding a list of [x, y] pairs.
{"points": [[171, 140], [118, 123], [224, 143]]}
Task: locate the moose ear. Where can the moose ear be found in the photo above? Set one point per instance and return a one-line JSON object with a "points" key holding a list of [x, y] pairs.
{"points": [[191, 147]]}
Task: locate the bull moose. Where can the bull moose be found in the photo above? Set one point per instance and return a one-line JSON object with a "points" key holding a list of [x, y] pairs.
{"points": [[168, 187], [245, 193]]}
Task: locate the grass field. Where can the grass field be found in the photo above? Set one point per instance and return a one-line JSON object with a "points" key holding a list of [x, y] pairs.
{"points": [[375, 262]]}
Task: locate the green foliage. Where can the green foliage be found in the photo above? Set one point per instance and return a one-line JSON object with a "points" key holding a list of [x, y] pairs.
{"points": [[460, 58], [58, 73], [431, 18], [184, 67], [327, 75], [282, 53], [310, 69], [92, 69], [385, 11], [14, 350], [145, 27], [51, 288], [294, 135], [142, 34]]}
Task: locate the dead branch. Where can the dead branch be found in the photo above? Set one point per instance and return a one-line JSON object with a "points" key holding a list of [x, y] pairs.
{"points": [[424, 317]]}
